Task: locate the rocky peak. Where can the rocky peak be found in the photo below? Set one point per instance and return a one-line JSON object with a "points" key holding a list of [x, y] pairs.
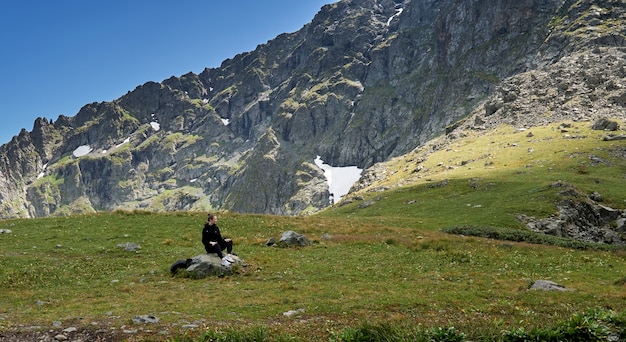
{"points": [[364, 81]]}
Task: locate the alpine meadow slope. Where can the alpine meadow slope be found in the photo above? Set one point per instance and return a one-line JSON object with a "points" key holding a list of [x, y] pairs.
{"points": [[365, 81]]}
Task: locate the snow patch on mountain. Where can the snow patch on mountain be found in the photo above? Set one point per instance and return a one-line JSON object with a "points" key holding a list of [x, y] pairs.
{"points": [[339, 179]]}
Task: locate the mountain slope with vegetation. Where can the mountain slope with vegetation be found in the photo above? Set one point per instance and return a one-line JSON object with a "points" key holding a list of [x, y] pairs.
{"points": [[389, 261], [387, 268], [363, 82], [494, 158]]}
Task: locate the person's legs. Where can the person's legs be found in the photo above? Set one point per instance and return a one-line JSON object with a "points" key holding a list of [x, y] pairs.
{"points": [[228, 245], [216, 248]]}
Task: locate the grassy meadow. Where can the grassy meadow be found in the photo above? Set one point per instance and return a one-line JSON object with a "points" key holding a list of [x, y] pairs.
{"points": [[384, 268]]}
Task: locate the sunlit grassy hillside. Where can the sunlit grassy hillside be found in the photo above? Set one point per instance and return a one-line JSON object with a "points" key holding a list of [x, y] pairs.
{"points": [[384, 263], [487, 178]]}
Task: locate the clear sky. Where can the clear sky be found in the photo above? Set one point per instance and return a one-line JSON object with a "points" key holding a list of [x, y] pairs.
{"points": [[57, 56]]}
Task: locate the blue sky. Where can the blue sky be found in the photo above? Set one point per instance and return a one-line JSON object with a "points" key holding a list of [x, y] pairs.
{"points": [[57, 56]]}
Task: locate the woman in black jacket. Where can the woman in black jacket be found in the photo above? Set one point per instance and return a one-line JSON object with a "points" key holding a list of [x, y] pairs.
{"points": [[213, 241]]}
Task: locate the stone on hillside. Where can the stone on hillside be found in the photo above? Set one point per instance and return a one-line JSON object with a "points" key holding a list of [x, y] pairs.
{"points": [[547, 285], [608, 214], [596, 196], [367, 204], [604, 124], [145, 319], [293, 312], [612, 137], [205, 265], [293, 239], [5, 231], [60, 337], [129, 246]]}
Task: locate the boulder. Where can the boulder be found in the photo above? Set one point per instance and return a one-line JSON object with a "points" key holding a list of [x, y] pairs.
{"points": [[604, 124], [293, 239], [205, 265]]}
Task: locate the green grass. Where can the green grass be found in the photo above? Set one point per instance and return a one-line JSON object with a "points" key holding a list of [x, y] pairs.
{"points": [[405, 267], [70, 270]]}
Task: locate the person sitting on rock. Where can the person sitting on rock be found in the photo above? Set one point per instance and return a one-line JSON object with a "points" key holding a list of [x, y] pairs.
{"points": [[214, 242]]}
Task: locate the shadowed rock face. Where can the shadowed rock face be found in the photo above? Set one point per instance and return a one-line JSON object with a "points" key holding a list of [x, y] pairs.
{"points": [[364, 81]]}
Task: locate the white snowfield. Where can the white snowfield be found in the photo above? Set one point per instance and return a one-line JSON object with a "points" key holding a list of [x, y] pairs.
{"points": [[339, 179]]}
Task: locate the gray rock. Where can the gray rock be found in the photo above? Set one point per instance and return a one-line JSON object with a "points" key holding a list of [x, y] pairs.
{"points": [[145, 319], [60, 337], [293, 312], [596, 197], [612, 137], [547, 285], [293, 239], [206, 265], [367, 203], [620, 225], [608, 214], [129, 246], [604, 124]]}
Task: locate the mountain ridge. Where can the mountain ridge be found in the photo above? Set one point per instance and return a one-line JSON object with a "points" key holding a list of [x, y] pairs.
{"points": [[357, 85]]}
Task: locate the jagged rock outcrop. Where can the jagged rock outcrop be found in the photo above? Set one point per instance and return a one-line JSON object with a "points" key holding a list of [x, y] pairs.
{"points": [[580, 217], [366, 80]]}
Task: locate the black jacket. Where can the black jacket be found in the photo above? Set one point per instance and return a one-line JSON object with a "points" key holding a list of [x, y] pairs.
{"points": [[211, 233]]}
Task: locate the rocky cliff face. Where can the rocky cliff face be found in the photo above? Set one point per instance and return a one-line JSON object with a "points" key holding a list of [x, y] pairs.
{"points": [[366, 80]]}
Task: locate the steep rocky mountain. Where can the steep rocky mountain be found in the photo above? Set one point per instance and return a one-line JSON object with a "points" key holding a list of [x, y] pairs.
{"points": [[364, 81]]}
